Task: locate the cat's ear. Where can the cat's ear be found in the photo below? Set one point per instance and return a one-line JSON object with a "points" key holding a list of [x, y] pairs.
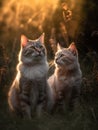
{"points": [[24, 40], [58, 47], [41, 38], [73, 48]]}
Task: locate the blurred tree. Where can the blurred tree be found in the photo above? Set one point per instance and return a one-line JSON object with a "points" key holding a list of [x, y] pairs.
{"points": [[58, 31]]}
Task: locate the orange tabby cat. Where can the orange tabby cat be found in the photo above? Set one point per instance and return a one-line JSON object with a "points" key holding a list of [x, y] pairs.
{"points": [[66, 81]]}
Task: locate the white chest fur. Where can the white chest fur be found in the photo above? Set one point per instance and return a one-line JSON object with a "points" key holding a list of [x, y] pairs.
{"points": [[34, 72]]}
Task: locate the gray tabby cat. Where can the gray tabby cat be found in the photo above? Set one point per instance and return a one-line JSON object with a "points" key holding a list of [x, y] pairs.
{"points": [[66, 81], [28, 90]]}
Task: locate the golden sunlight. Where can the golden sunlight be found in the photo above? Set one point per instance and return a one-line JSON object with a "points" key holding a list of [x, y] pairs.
{"points": [[33, 13], [20, 13]]}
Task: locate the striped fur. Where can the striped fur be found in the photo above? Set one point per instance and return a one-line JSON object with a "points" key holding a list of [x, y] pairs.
{"points": [[28, 91], [66, 81]]}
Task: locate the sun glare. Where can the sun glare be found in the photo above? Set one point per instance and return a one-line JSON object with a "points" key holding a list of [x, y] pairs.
{"points": [[19, 13]]}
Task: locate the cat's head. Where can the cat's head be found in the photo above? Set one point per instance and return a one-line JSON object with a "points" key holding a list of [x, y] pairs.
{"points": [[66, 57], [32, 51]]}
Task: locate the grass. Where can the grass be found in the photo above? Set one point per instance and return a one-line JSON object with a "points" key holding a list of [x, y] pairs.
{"points": [[84, 117]]}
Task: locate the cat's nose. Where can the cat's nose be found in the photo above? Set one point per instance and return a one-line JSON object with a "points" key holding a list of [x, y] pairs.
{"points": [[38, 50], [39, 53]]}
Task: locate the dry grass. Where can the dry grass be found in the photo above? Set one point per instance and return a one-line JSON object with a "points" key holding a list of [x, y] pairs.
{"points": [[84, 117]]}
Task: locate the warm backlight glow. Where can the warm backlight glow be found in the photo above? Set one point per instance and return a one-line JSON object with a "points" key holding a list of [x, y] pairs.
{"points": [[21, 13], [34, 13]]}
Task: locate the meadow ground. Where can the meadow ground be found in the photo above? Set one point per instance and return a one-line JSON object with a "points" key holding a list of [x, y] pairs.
{"points": [[84, 117]]}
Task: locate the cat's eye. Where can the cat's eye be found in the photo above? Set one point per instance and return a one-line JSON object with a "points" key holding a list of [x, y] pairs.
{"points": [[31, 47], [41, 46], [29, 52], [61, 55]]}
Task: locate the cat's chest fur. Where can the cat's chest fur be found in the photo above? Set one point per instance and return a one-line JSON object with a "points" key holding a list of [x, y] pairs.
{"points": [[67, 80], [34, 72], [62, 82]]}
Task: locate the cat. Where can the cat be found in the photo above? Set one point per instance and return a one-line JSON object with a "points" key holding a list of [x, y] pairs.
{"points": [[28, 90], [65, 83]]}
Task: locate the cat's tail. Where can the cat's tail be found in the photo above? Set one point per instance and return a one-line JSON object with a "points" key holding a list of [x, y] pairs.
{"points": [[13, 100]]}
